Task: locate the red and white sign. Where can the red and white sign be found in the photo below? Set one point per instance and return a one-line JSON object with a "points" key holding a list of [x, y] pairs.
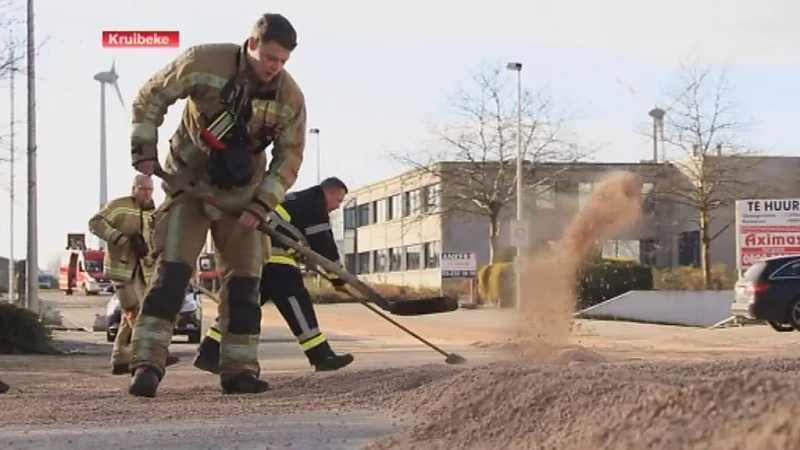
{"points": [[141, 39], [766, 228]]}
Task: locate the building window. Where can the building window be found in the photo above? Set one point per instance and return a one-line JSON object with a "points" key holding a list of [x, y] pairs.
{"points": [[363, 263], [413, 256], [412, 202], [545, 194], [380, 259], [380, 211], [395, 259], [433, 197], [363, 215], [432, 253], [350, 222], [395, 207], [350, 262], [584, 189]]}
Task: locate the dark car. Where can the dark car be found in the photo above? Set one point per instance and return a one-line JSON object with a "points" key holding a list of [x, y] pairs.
{"points": [[189, 323], [770, 290]]}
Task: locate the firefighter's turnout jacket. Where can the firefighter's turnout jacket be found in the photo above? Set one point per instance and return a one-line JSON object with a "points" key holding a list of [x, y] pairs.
{"points": [[206, 75], [303, 216], [122, 217]]}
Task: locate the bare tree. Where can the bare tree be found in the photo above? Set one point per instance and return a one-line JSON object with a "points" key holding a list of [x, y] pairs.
{"points": [[704, 126], [11, 47], [478, 149]]}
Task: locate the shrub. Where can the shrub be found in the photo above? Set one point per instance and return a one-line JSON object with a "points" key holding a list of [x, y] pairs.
{"points": [[595, 282], [609, 278], [690, 278], [21, 332]]}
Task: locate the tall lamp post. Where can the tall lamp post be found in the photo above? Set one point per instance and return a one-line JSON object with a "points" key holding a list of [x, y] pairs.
{"points": [[520, 225], [32, 270], [315, 131]]}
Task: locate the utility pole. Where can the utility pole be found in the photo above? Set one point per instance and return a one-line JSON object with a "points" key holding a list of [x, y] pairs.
{"points": [[32, 269], [517, 67], [315, 131], [12, 297]]}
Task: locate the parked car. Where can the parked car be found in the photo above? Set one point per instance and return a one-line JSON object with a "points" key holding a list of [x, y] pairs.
{"points": [[770, 290], [190, 318]]}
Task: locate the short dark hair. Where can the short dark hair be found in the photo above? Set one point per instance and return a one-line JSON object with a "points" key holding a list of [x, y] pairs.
{"points": [[272, 27], [334, 183]]}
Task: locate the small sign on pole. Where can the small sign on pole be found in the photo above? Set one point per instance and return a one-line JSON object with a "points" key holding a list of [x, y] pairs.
{"points": [[459, 265], [519, 233]]}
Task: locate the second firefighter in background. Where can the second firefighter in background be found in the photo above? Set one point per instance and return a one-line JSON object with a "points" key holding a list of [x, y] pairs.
{"points": [[124, 224], [305, 217]]}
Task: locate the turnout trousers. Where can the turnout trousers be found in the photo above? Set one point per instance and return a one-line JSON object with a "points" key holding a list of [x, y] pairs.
{"points": [[180, 228], [130, 297]]}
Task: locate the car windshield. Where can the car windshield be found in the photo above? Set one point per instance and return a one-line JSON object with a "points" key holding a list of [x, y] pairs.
{"points": [[93, 265], [752, 273]]}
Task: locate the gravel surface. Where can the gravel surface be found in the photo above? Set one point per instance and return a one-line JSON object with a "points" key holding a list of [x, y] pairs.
{"points": [[546, 393]]}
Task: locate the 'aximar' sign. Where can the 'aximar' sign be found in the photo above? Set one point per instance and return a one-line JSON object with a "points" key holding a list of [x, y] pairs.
{"points": [[766, 228]]}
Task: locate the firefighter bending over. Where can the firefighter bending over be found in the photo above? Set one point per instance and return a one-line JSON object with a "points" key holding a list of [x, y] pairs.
{"points": [[239, 100], [124, 223], [303, 216]]}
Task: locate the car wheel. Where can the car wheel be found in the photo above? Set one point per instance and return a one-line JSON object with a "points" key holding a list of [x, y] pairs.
{"points": [[793, 314], [110, 337], [194, 337], [781, 327]]}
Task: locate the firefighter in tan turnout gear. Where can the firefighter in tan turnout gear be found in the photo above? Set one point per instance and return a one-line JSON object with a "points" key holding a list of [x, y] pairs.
{"points": [[124, 224], [239, 101]]}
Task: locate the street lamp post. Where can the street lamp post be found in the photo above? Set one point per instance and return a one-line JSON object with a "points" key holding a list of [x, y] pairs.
{"points": [[315, 131], [517, 67]]}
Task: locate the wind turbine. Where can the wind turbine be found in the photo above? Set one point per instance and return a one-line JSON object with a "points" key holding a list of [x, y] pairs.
{"points": [[105, 78]]}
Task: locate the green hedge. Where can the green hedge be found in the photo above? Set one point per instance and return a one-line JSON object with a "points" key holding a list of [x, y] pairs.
{"points": [[21, 332], [595, 282]]}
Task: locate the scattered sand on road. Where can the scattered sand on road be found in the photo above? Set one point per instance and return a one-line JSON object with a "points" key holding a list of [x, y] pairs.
{"points": [[554, 394]]}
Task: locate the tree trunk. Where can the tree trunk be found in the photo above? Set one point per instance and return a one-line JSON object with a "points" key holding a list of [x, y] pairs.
{"points": [[494, 237], [705, 248]]}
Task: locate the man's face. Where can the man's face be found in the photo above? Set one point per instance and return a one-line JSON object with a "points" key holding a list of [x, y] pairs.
{"points": [[143, 191], [334, 199], [267, 59]]}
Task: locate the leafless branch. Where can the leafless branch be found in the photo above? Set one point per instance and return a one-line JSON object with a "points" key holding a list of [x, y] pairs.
{"points": [[479, 144]]}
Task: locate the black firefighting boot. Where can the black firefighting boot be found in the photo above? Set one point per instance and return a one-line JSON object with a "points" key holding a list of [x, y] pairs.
{"points": [[144, 382], [4, 388], [125, 368], [207, 357], [244, 383], [324, 359]]}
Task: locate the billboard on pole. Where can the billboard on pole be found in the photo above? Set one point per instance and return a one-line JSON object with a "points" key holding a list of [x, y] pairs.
{"points": [[766, 228]]}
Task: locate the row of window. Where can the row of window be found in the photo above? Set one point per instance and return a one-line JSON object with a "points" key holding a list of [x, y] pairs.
{"points": [[397, 259], [411, 203]]}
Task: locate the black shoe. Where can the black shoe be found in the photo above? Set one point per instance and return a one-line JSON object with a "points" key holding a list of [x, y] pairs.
{"points": [[4, 388], [144, 383], [333, 362], [207, 357], [244, 383], [171, 359], [121, 369]]}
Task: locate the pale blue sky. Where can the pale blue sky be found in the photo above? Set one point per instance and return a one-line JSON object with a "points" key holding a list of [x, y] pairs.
{"points": [[376, 73]]}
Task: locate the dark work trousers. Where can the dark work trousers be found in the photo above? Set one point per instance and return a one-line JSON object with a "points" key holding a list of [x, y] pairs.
{"points": [[283, 284]]}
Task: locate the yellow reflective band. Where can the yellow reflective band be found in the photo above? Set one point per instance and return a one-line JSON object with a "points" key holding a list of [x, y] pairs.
{"points": [[214, 334], [221, 125], [283, 213], [313, 342], [277, 259]]}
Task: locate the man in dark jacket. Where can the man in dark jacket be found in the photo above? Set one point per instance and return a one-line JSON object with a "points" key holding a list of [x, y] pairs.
{"points": [[303, 216]]}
